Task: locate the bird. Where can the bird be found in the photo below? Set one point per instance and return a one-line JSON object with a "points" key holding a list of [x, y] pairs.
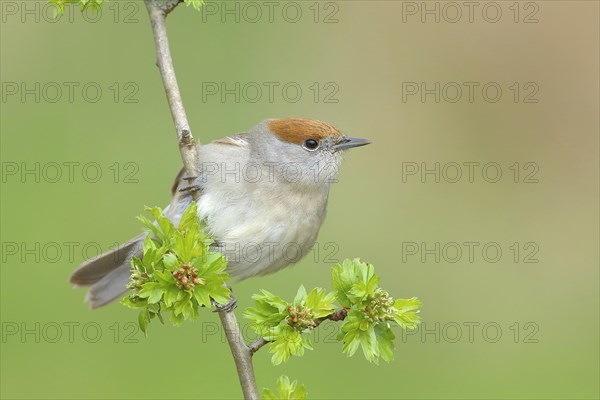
{"points": [[262, 195]]}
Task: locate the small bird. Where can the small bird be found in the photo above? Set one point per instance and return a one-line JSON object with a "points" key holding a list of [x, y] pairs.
{"points": [[262, 193]]}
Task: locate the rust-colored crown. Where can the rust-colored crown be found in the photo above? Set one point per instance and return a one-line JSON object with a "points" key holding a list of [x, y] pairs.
{"points": [[298, 130]]}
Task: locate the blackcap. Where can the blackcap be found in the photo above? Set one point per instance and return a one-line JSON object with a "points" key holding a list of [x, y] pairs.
{"points": [[263, 195]]}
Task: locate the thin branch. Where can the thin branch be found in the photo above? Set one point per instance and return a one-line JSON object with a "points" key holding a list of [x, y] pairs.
{"points": [[257, 344], [158, 11], [338, 315], [241, 353]]}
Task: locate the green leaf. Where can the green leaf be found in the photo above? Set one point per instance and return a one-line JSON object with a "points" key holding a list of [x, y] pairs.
{"points": [[353, 280], [177, 319], [84, 4], [367, 282], [369, 344], [155, 229], [188, 310], [385, 338], [220, 293], [359, 331], [143, 321], [181, 304], [153, 291], [407, 315], [197, 4], [371, 311], [307, 343], [320, 303], [300, 296], [342, 281], [283, 324], [202, 295], [270, 299], [93, 4], [164, 277], [171, 262], [134, 302], [351, 331], [189, 219], [286, 342], [285, 390], [137, 263], [170, 295], [177, 273]]}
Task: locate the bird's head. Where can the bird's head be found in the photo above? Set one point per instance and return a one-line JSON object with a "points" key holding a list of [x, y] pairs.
{"points": [[303, 150]]}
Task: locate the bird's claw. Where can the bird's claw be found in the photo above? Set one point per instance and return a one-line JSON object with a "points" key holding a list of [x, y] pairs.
{"points": [[227, 307], [191, 188]]}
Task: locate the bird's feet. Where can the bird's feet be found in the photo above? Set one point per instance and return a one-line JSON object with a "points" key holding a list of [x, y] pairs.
{"points": [[190, 189], [227, 307]]}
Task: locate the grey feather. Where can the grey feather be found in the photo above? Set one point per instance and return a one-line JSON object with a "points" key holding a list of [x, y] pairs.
{"points": [[94, 270], [110, 287], [108, 274]]}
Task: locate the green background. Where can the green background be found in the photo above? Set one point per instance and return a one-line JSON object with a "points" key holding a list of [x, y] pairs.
{"points": [[368, 53]]}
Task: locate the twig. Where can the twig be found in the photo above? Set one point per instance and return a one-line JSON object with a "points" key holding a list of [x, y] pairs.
{"points": [[158, 11], [241, 353], [256, 345], [339, 315], [188, 147]]}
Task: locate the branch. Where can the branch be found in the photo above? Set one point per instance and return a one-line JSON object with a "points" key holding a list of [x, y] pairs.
{"points": [[242, 354], [338, 315], [188, 147], [158, 11], [257, 344]]}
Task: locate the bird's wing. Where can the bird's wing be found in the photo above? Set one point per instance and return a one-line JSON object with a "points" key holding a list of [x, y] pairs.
{"points": [[239, 139], [176, 182]]}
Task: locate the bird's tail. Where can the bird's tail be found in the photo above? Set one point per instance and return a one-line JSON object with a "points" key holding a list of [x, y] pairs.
{"points": [[108, 274]]}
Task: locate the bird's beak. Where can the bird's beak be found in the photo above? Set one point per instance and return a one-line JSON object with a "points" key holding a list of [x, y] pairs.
{"points": [[348, 142]]}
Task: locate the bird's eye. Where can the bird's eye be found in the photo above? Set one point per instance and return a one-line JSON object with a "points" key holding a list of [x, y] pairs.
{"points": [[311, 144]]}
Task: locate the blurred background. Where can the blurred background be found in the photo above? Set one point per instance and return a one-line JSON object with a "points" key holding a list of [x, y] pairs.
{"points": [[479, 193]]}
